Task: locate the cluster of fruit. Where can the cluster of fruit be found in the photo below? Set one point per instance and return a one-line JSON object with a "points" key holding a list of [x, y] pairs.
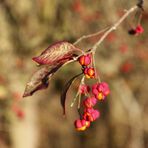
{"points": [[136, 31], [97, 92]]}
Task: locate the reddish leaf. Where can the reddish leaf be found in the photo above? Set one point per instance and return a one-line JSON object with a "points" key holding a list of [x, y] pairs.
{"points": [[40, 79], [56, 53], [64, 92]]}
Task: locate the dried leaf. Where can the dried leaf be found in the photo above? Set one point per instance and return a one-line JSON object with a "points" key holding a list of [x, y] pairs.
{"points": [[56, 53], [64, 92], [40, 79]]}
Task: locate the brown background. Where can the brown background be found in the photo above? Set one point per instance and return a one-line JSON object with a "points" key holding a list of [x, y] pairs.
{"points": [[29, 26]]}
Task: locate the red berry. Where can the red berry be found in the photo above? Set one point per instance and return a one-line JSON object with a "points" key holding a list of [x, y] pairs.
{"points": [[81, 125], [90, 102], [100, 90], [83, 89], [91, 114], [139, 29], [136, 31], [89, 72], [85, 60]]}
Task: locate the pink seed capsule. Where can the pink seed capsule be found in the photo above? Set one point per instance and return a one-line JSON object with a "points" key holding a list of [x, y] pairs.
{"points": [[81, 125], [89, 72], [85, 60], [90, 102]]}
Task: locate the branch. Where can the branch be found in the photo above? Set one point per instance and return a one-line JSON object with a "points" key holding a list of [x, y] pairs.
{"points": [[90, 35], [114, 27], [106, 31]]}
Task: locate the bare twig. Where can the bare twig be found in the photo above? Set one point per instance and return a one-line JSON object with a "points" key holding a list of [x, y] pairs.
{"points": [[78, 93], [79, 102], [94, 65], [114, 27], [109, 30], [89, 35], [74, 100]]}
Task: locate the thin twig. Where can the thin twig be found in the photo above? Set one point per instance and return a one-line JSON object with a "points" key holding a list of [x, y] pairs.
{"points": [[90, 35], [114, 27], [94, 65], [79, 101], [74, 100], [78, 92], [139, 19]]}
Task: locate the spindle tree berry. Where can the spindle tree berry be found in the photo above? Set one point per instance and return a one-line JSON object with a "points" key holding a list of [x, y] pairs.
{"points": [[100, 90], [85, 60]]}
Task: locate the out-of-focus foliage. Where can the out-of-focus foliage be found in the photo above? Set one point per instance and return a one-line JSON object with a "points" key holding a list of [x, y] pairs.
{"points": [[27, 27]]}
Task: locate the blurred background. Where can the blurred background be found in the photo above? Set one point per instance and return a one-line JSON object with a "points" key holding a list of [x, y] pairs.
{"points": [[27, 27]]}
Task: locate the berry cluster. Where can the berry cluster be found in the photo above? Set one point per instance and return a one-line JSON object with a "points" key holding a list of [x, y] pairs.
{"points": [[85, 61], [136, 31], [94, 94]]}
